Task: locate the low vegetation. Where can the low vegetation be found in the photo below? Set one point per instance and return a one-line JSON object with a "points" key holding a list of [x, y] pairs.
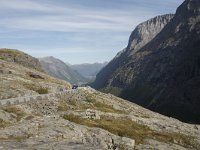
{"points": [[125, 127], [62, 106], [8, 51], [3, 123], [112, 90], [36, 88], [15, 110], [42, 90], [92, 103], [20, 138]]}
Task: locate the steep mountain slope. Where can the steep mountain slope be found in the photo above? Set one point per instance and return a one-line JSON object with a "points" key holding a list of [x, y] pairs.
{"points": [[89, 70], [142, 34], [164, 75], [21, 58], [59, 69], [79, 119]]}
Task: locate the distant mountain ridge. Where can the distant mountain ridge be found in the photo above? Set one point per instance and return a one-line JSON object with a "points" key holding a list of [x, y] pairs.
{"points": [[164, 73], [88, 70], [59, 69]]}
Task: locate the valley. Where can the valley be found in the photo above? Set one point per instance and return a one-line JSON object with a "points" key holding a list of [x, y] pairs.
{"points": [[146, 97]]}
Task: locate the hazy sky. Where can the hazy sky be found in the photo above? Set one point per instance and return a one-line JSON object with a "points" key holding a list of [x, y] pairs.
{"points": [[75, 31]]}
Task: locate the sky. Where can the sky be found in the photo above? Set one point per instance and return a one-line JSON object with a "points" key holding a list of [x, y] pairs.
{"points": [[75, 31]]}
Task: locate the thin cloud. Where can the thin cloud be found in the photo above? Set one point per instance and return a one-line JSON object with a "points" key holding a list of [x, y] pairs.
{"points": [[67, 19], [66, 28], [54, 23]]}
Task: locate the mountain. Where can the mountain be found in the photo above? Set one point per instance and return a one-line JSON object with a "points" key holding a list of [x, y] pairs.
{"points": [[88, 70], [38, 111], [21, 58], [142, 34], [16, 80], [59, 69], [164, 73]]}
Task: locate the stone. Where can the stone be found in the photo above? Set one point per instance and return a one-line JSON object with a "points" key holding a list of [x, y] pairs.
{"points": [[128, 142], [91, 114]]}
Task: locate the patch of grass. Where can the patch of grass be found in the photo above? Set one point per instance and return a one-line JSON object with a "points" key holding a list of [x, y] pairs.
{"points": [[20, 137], [90, 99], [73, 102], [94, 104], [2, 58], [42, 90], [9, 51], [62, 106], [122, 146], [125, 127], [15, 110], [113, 90], [36, 88], [3, 123]]}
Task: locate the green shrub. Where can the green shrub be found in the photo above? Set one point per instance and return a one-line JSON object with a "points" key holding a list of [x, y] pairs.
{"points": [[42, 90], [3, 123]]}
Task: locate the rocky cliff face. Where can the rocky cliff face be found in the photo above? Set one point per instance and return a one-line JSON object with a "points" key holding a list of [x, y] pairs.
{"points": [[20, 58], [146, 31], [164, 75], [59, 69], [142, 34]]}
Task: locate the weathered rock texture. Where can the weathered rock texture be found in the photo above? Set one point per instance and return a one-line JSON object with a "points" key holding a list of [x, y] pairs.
{"points": [[21, 58], [63, 121], [163, 74], [79, 119], [17, 81]]}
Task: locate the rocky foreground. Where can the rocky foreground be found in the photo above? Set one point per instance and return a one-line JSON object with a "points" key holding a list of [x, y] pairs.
{"points": [[38, 111], [87, 119]]}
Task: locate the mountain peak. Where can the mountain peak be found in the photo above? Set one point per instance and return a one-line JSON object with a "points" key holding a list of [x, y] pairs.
{"points": [[59, 69], [189, 9], [146, 31]]}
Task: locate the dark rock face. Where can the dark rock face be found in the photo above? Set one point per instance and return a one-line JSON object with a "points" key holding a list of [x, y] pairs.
{"points": [[59, 69], [20, 58], [142, 34], [164, 74]]}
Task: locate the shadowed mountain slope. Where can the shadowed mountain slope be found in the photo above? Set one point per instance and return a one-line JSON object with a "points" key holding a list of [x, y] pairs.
{"points": [[164, 74]]}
